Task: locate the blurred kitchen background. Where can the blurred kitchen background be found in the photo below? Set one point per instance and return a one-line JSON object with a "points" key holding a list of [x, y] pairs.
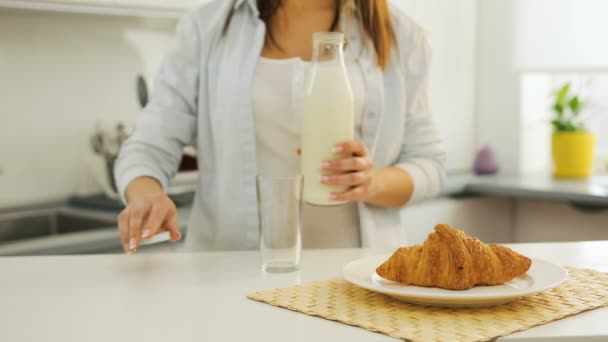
{"points": [[74, 74]]}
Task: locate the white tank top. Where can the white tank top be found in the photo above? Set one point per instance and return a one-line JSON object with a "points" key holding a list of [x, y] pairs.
{"points": [[277, 89]]}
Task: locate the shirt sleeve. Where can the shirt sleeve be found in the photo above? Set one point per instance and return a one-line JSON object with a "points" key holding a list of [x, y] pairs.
{"points": [[168, 122], [422, 153]]}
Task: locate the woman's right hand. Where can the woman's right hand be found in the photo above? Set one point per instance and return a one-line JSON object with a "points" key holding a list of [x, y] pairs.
{"points": [[149, 211]]}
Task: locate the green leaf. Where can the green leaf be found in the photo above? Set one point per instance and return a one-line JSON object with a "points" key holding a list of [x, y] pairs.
{"points": [[570, 127], [559, 109], [567, 109], [575, 105], [562, 94], [560, 125], [556, 125]]}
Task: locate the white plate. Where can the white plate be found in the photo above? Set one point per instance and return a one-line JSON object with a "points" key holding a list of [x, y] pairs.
{"points": [[541, 276]]}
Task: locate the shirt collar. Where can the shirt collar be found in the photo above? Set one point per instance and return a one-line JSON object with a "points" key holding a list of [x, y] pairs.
{"points": [[252, 4]]}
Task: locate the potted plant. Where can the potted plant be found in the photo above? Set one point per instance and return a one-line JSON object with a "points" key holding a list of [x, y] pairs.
{"points": [[572, 144]]}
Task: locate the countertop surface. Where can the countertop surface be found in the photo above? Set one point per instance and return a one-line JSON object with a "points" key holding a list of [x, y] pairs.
{"points": [[202, 297], [591, 192]]}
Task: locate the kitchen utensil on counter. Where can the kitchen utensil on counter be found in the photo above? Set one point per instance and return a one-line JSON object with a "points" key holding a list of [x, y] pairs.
{"points": [[180, 189], [97, 140], [142, 91], [280, 210], [541, 276], [106, 144], [121, 133]]}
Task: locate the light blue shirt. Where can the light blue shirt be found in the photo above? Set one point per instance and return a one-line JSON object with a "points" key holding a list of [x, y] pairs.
{"points": [[202, 96]]}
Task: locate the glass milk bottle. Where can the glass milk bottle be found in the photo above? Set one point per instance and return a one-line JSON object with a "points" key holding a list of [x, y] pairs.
{"points": [[327, 115]]}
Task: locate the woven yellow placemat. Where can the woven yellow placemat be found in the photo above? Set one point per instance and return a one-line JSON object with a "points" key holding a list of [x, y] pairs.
{"points": [[338, 300]]}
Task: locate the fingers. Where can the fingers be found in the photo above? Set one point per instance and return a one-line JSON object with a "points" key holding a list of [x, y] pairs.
{"points": [[355, 147], [172, 226], [158, 213], [358, 162], [350, 179], [347, 164], [123, 229], [144, 217], [354, 172], [138, 213], [358, 193]]}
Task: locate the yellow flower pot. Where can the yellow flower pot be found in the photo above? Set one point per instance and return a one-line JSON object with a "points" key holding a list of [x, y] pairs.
{"points": [[573, 154]]}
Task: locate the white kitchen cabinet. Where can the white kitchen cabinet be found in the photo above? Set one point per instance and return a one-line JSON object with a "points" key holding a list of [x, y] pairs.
{"points": [[545, 221], [139, 8]]}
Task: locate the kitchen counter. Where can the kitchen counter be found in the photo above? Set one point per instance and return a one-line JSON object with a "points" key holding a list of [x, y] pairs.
{"points": [[592, 192], [202, 297]]}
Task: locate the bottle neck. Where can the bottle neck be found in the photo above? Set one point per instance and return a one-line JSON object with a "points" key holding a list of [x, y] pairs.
{"points": [[325, 53]]}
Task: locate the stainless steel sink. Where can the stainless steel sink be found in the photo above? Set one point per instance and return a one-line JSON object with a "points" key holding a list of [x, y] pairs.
{"points": [[35, 224]]}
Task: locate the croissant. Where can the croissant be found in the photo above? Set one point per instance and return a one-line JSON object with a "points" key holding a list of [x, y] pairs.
{"points": [[450, 259]]}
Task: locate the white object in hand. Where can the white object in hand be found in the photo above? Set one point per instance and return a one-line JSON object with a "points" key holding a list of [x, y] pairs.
{"points": [[327, 115], [158, 238]]}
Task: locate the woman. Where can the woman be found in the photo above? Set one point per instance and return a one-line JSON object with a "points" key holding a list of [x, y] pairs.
{"points": [[224, 87]]}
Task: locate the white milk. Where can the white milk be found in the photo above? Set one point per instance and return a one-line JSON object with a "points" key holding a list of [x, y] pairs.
{"points": [[327, 116]]}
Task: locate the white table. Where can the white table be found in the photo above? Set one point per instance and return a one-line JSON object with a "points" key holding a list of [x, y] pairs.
{"points": [[201, 297]]}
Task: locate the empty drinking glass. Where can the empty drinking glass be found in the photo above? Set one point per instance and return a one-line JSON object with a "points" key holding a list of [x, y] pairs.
{"points": [[279, 206]]}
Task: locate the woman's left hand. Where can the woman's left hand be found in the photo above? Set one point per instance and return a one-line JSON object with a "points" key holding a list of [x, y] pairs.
{"points": [[356, 171]]}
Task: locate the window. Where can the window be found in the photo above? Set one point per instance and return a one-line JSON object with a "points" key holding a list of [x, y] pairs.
{"points": [[537, 96]]}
